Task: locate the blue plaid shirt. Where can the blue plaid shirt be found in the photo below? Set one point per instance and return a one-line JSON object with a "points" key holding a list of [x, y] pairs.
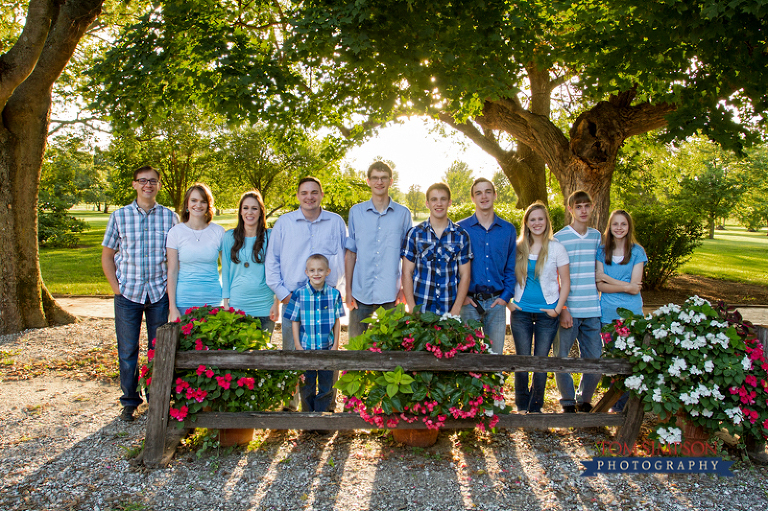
{"points": [[138, 237], [436, 275], [317, 311]]}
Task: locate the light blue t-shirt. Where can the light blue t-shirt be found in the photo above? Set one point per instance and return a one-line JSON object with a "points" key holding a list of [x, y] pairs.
{"points": [[244, 283], [609, 302], [198, 281], [583, 300]]}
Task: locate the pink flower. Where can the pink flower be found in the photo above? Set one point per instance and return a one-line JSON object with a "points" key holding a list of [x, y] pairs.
{"points": [[200, 370], [150, 354], [606, 337], [187, 329], [246, 382], [214, 311], [751, 380], [200, 395], [144, 371], [181, 385], [438, 327], [179, 414], [224, 381], [149, 381], [199, 345], [209, 373]]}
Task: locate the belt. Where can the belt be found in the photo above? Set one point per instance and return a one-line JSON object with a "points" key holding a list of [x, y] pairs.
{"points": [[486, 296]]}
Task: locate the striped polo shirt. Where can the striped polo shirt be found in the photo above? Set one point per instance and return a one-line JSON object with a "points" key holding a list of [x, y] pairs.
{"points": [[583, 301]]}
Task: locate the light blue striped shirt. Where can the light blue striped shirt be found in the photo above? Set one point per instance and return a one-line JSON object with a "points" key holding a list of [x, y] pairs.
{"points": [[583, 300], [293, 240], [376, 238]]}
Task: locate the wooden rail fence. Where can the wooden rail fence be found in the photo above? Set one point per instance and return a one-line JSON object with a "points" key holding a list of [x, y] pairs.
{"points": [[160, 445]]}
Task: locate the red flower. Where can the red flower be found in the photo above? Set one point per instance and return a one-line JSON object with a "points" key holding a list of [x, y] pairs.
{"points": [[224, 381], [179, 414], [187, 329], [149, 381], [151, 354], [214, 311], [751, 380], [200, 370], [144, 371], [209, 373]]}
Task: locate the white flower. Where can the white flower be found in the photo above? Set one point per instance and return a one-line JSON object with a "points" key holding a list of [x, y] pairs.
{"points": [[746, 363], [735, 415], [448, 315], [489, 413], [709, 366], [676, 328], [694, 413], [706, 413], [620, 343], [695, 370], [678, 365], [634, 382], [657, 395], [647, 358], [660, 379], [689, 399], [670, 436], [660, 333]]}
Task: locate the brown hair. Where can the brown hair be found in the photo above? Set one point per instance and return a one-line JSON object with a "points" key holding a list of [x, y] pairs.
{"points": [[438, 186], [146, 168], [309, 179], [609, 240], [318, 257], [525, 241], [579, 197], [239, 231], [380, 166], [481, 180], [206, 193]]}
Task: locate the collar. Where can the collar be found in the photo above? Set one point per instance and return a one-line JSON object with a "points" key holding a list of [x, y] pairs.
{"points": [[324, 215], [473, 220], [135, 204], [368, 206], [448, 228], [315, 291]]}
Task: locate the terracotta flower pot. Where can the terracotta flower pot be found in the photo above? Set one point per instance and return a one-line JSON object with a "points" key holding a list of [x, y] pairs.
{"points": [[416, 437], [237, 436]]}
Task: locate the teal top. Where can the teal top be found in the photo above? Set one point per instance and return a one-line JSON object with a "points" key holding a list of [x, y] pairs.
{"points": [[533, 298], [244, 283]]}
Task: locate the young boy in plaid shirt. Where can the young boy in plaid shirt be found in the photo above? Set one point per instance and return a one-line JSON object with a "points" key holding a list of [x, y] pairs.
{"points": [[314, 312]]}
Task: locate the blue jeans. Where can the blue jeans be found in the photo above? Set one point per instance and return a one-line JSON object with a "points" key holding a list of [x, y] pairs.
{"points": [[317, 391], [266, 324], [128, 315], [362, 312], [587, 331], [540, 328], [494, 321]]}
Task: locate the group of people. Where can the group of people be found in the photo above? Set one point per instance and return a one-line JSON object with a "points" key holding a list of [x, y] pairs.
{"points": [[476, 268]]}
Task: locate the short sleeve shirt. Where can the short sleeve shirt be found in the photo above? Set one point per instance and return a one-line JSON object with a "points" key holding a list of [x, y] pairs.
{"points": [[317, 312], [437, 260], [583, 300]]}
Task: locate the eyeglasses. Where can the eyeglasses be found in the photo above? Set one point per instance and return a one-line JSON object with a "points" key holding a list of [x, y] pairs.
{"points": [[143, 181], [381, 179]]}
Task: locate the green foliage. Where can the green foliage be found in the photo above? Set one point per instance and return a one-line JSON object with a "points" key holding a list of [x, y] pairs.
{"points": [[459, 178], [415, 199], [213, 328], [384, 398], [689, 360], [669, 237], [57, 229], [752, 209], [504, 191], [713, 192]]}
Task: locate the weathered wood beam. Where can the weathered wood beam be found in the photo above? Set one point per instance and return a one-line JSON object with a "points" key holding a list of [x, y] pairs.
{"points": [[162, 378], [389, 361]]}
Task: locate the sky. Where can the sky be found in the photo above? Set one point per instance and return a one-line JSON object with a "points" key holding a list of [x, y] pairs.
{"points": [[420, 153]]}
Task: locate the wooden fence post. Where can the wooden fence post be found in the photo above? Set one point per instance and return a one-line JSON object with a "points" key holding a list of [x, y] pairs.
{"points": [[159, 404]]}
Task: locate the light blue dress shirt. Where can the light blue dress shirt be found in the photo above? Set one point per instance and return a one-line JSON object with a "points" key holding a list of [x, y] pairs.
{"points": [[293, 240], [376, 238]]}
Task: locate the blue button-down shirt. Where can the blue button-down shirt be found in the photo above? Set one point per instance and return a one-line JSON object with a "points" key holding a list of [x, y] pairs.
{"points": [[138, 238], [437, 260], [376, 238], [293, 240], [493, 268], [317, 312]]}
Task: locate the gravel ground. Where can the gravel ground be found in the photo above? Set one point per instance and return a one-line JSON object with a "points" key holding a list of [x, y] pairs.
{"points": [[61, 447]]}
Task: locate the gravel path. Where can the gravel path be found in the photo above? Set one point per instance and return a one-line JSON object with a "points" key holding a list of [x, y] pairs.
{"points": [[61, 447]]}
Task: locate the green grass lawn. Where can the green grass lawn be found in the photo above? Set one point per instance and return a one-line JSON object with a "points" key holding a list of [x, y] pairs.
{"points": [[734, 254], [77, 271]]}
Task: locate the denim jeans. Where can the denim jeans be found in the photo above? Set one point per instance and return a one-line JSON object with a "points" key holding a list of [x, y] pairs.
{"points": [[540, 328], [287, 333], [362, 312], [587, 331], [317, 391], [494, 321], [266, 324], [128, 315]]}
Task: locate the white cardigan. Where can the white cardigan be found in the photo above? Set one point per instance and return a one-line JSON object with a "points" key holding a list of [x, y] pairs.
{"points": [[550, 287]]}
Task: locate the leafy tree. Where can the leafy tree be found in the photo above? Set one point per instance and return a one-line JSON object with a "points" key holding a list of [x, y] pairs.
{"points": [[415, 199], [459, 178], [752, 209], [505, 193], [713, 192], [34, 57]]}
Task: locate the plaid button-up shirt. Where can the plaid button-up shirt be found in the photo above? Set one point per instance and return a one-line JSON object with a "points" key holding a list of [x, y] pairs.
{"points": [[138, 237], [317, 311], [437, 260]]}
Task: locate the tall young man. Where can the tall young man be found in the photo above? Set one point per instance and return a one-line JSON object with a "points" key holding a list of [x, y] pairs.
{"points": [[493, 268], [436, 259], [134, 262], [298, 234], [580, 320], [377, 228]]}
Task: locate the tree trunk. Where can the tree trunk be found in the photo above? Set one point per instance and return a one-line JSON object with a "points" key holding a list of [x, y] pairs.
{"points": [[588, 159], [24, 300]]}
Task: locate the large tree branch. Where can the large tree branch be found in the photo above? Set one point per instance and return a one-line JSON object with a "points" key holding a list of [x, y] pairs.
{"points": [[488, 144], [19, 62]]}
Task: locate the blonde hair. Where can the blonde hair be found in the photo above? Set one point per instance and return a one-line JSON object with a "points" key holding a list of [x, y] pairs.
{"points": [[609, 240], [525, 241]]}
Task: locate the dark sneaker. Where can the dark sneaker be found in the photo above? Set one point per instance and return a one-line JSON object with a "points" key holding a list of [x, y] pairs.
{"points": [[585, 407], [569, 409], [127, 413]]}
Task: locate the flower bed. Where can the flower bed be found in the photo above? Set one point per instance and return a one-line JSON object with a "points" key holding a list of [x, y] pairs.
{"points": [[215, 328], [693, 360], [386, 398]]}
